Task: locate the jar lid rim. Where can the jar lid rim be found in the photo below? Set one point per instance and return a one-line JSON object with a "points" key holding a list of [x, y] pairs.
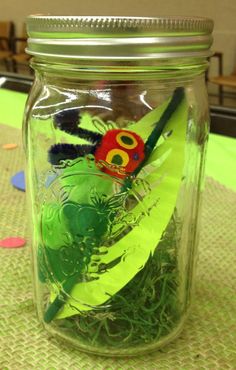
{"points": [[119, 38]]}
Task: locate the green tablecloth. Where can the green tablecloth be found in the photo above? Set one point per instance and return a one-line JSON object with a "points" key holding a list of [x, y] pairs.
{"points": [[221, 160], [12, 106], [221, 156], [208, 340]]}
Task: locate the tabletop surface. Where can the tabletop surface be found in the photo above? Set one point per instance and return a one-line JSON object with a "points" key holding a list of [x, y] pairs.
{"points": [[208, 339]]}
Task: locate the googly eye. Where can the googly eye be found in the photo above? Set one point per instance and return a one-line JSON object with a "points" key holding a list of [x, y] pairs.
{"points": [[126, 140]]}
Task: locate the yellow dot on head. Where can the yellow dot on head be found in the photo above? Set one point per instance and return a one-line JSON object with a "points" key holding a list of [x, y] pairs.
{"points": [[117, 153], [126, 140], [9, 146]]}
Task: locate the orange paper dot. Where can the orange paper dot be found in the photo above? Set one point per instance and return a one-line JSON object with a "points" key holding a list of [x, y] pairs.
{"points": [[9, 146]]}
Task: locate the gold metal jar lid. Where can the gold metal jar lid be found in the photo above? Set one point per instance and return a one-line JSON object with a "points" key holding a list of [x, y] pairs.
{"points": [[118, 38]]}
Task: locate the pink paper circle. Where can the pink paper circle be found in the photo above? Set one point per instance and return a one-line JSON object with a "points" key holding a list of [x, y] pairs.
{"points": [[12, 242]]}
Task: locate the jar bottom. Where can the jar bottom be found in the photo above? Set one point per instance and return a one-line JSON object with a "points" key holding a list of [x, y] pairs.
{"points": [[129, 352]]}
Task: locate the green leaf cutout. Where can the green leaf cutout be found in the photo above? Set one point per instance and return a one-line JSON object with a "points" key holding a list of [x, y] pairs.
{"points": [[163, 174]]}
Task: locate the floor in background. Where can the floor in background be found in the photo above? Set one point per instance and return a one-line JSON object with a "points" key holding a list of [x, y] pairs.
{"points": [[229, 100], [23, 70]]}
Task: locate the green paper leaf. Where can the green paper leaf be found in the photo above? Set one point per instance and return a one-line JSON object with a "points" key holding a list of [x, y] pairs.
{"points": [[146, 124], [163, 174]]}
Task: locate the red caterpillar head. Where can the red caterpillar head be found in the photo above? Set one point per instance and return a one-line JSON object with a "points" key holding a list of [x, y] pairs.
{"points": [[121, 148]]}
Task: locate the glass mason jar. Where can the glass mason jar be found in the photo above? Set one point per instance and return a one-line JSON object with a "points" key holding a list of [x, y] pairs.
{"points": [[115, 133]]}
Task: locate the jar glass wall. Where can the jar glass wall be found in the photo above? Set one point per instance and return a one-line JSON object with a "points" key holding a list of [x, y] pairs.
{"points": [[115, 161]]}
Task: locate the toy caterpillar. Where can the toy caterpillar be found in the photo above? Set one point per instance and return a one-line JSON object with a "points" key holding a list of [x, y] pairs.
{"points": [[118, 148]]}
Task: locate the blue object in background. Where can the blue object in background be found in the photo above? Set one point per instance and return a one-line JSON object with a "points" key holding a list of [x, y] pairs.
{"points": [[18, 180]]}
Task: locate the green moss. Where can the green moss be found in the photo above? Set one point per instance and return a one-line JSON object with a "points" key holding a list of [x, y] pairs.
{"points": [[145, 310]]}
